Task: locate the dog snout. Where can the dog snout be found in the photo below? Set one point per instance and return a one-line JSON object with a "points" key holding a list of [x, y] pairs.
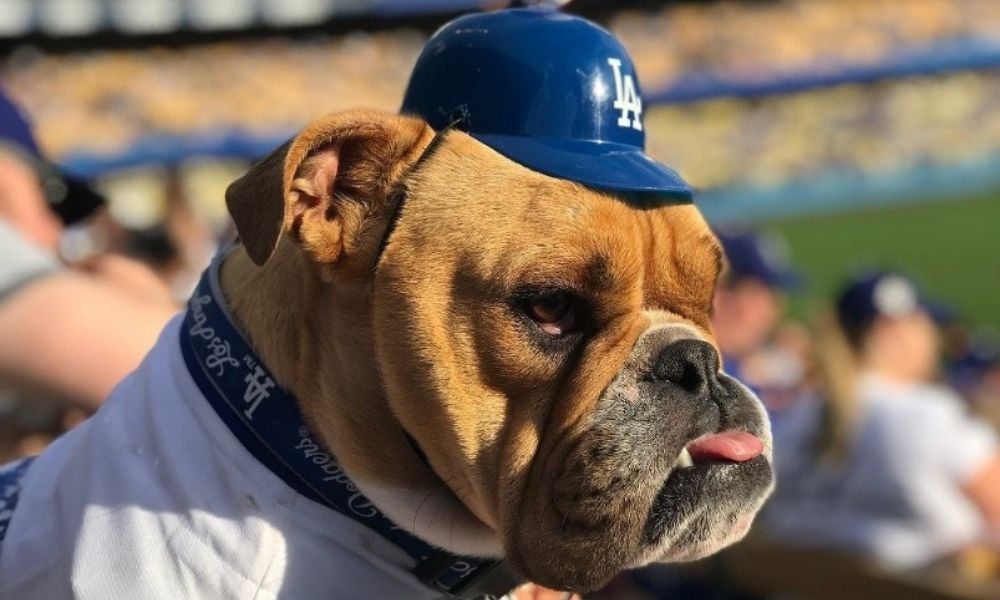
{"points": [[692, 365]]}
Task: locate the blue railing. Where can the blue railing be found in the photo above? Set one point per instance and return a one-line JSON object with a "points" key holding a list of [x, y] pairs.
{"points": [[849, 190], [161, 149]]}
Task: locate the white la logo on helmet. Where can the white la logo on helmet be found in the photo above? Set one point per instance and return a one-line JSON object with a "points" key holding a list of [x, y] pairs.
{"points": [[627, 99]]}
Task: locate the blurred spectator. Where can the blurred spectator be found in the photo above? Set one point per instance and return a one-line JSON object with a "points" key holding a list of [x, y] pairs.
{"points": [[974, 370], [751, 295], [778, 371], [71, 333], [748, 303], [883, 461], [985, 394], [192, 239]]}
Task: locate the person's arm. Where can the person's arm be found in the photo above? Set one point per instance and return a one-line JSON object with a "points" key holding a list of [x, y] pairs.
{"points": [[75, 336], [984, 489], [968, 448], [129, 276]]}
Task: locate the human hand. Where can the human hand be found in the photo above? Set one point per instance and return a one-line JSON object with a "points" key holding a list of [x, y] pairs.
{"points": [[531, 591]]}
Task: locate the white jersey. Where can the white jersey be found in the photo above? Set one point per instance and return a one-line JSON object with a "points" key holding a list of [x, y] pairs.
{"points": [[22, 262], [154, 497], [898, 497]]}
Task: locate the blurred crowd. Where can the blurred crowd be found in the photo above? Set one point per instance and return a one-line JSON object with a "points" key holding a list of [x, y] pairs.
{"points": [[104, 102], [737, 40], [870, 130], [885, 407], [82, 298]]}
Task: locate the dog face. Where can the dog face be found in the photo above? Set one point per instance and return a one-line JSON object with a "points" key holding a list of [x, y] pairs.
{"points": [[547, 346]]}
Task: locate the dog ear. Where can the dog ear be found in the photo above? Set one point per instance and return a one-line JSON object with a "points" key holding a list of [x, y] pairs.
{"points": [[322, 186]]}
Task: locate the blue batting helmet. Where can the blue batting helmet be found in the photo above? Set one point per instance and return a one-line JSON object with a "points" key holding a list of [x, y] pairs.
{"points": [[551, 91]]}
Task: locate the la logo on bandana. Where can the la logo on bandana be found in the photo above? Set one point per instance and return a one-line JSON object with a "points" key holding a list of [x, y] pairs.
{"points": [[257, 390]]}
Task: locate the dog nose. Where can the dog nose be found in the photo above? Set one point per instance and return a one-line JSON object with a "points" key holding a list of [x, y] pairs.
{"points": [[693, 365]]}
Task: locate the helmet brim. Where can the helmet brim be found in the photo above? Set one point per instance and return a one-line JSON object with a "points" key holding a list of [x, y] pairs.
{"points": [[601, 165]]}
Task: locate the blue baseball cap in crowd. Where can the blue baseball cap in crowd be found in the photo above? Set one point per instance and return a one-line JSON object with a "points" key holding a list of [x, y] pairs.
{"points": [[551, 91], [70, 198], [967, 371], [763, 256], [883, 294]]}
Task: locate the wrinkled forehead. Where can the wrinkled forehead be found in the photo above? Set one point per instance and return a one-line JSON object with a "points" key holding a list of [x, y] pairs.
{"points": [[525, 224]]}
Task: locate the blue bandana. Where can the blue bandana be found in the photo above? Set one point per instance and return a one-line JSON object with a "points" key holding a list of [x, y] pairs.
{"points": [[266, 420]]}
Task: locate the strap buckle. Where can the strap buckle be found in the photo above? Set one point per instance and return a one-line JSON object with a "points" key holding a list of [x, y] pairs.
{"points": [[462, 577]]}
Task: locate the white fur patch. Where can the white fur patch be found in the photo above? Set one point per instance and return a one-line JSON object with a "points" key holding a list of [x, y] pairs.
{"points": [[435, 516]]}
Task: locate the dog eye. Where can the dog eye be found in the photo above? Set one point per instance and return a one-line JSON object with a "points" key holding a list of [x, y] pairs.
{"points": [[552, 311]]}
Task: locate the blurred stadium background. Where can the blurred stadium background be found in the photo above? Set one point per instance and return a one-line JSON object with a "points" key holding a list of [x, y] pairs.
{"points": [[865, 131], [868, 131]]}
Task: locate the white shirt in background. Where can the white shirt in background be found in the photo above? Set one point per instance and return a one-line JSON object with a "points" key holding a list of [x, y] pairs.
{"points": [[20, 261], [898, 496]]}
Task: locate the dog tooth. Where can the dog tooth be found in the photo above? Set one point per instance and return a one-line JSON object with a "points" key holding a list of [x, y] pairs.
{"points": [[684, 460]]}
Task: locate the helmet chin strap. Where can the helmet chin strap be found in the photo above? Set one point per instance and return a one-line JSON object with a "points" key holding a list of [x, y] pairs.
{"points": [[391, 226], [400, 196], [492, 579], [400, 199]]}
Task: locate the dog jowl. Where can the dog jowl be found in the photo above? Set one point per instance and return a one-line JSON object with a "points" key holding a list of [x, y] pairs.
{"points": [[577, 394]]}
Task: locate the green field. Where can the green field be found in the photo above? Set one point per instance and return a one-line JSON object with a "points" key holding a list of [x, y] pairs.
{"points": [[951, 247]]}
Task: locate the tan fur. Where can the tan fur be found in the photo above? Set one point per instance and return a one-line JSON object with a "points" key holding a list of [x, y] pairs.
{"points": [[428, 343], [501, 417], [316, 336]]}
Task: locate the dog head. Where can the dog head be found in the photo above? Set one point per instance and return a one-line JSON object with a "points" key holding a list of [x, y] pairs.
{"points": [[547, 346]]}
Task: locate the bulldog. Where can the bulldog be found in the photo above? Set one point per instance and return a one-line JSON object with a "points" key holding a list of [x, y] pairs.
{"points": [[552, 357], [503, 363]]}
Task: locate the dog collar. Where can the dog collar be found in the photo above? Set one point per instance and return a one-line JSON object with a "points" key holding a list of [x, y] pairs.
{"points": [[266, 420]]}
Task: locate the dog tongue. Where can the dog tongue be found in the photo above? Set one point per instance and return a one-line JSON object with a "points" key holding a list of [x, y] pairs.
{"points": [[736, 446]]}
